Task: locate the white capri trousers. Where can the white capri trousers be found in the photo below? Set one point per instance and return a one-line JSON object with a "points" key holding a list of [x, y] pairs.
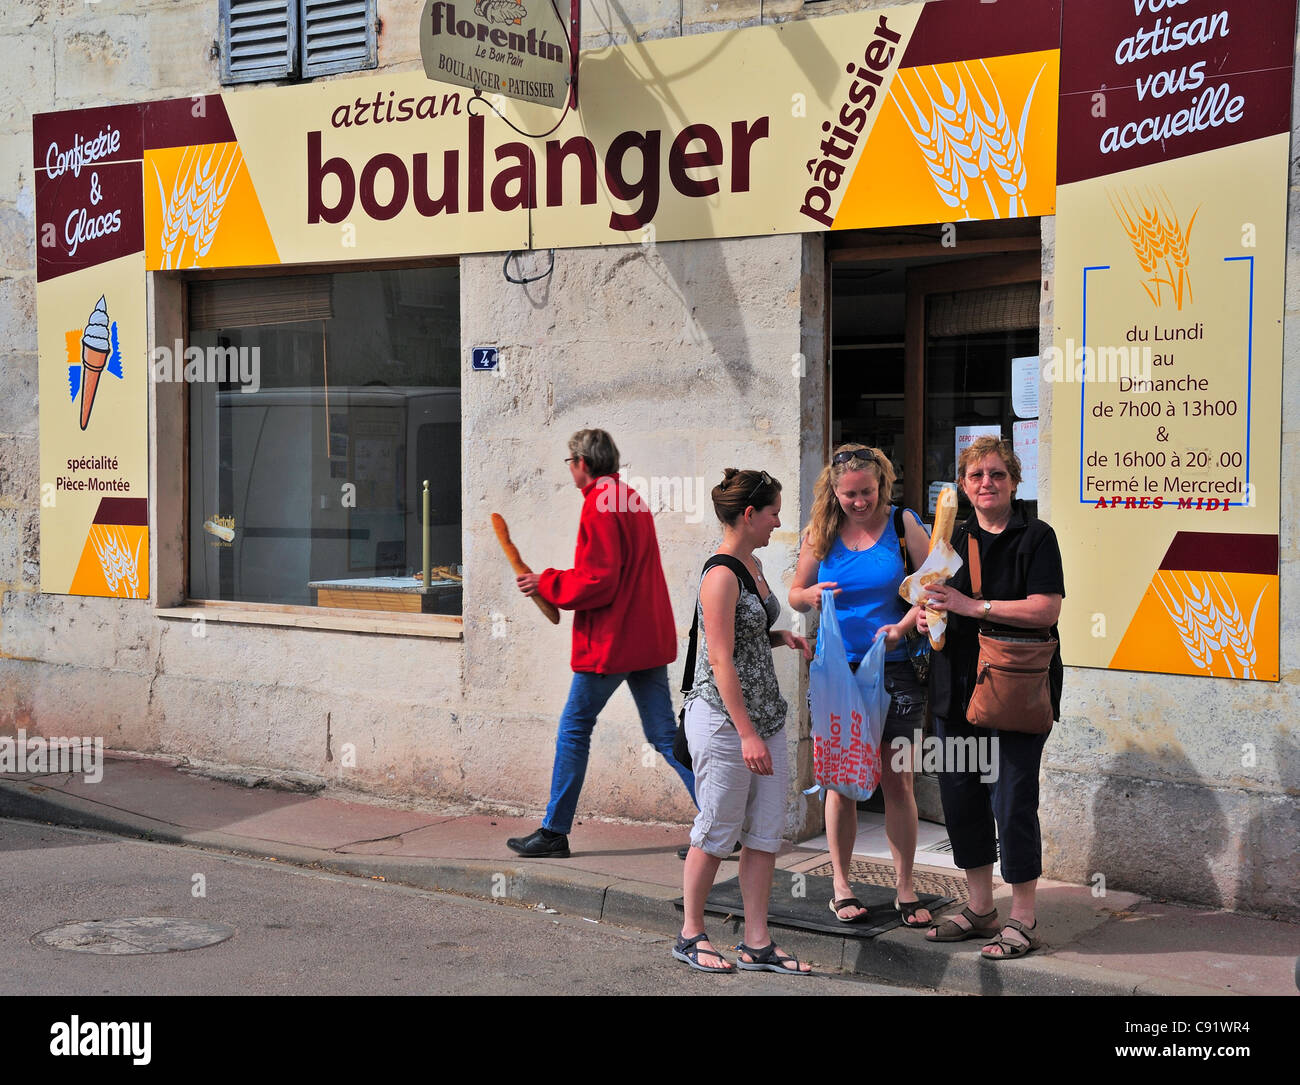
{"points": [[735, 804]]}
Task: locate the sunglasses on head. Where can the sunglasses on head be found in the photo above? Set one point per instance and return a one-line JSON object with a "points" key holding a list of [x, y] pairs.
{"points": [[764, 480], [853, 454]]}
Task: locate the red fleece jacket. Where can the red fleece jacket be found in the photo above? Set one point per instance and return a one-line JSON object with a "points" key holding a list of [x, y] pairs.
{"points": [[623, 620]]}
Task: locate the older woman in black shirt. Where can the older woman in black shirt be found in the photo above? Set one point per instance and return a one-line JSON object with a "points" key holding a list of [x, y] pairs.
{"points": [[1022, 588]]}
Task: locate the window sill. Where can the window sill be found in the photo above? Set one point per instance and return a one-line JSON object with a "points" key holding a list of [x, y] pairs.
{"points": [[446, 626]]}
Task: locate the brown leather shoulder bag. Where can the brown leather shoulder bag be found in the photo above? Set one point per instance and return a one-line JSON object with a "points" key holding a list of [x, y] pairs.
{"points": [[1012, 691]]}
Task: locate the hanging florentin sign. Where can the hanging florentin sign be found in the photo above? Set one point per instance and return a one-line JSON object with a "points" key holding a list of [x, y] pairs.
{"points": [[513, 48]]}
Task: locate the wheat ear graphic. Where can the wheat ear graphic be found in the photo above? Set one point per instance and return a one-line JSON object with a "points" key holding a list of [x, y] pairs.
{"points": [[1157, 237], [214, 200], [115, 560], [929, 136], [1201, 609], [1189, 630], [176, 211], [1235, 631], [1175, 242], [1006, 145]]}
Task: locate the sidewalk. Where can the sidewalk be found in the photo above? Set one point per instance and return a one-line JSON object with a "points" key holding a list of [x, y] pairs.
{"points": [[1119, 944]]}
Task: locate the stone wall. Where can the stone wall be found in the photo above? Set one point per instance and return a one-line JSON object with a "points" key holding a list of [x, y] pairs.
{"points": [[690, 354]]}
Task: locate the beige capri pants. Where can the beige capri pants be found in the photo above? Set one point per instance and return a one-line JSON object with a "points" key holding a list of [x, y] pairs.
{"points": [[735, 804]]}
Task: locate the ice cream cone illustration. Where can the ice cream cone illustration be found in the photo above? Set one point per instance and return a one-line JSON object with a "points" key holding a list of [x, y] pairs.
{"points": [[94, 356]]}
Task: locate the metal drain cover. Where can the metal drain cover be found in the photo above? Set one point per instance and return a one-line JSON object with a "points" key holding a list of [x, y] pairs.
{"points": [[134, 934]]}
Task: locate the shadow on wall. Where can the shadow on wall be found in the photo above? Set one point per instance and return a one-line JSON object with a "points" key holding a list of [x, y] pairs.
{"points": [[1171, 838], [691, 274]]}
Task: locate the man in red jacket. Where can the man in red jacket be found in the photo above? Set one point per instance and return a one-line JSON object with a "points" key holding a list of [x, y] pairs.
{"points": [[622, 630]]}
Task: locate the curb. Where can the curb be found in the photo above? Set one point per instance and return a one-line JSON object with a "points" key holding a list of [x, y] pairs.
{"points": [[899, 957]]}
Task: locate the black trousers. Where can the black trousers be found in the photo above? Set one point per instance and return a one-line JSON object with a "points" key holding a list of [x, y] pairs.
{"points": [[971, 806]]}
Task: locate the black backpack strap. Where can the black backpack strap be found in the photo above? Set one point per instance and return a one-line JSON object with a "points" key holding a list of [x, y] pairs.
{"points": [[746, 584], [900, 530]]}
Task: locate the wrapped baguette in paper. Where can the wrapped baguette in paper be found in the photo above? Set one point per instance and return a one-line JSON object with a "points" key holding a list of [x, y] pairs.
{"points": [[945, 519], [941, 565]]}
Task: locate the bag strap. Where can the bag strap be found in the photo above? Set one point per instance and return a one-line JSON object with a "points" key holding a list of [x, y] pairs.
{"points": [[901, 531], [973, 556], [746, 584]]}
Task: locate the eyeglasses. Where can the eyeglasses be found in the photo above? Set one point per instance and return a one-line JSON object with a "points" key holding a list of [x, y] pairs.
{"points": [[853, 454], [993, 476], [572, 459], [764, 480]]}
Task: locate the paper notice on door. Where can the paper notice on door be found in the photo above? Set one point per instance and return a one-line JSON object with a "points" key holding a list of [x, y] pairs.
{"points": [[968, 435], [1024, 441], [1024, 387]]}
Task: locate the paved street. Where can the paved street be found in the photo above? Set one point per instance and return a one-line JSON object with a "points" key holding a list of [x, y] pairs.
{"points": [[305, 932]]}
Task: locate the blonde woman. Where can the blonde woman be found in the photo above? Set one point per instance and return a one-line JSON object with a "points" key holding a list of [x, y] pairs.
{"points": [[852, 547]]}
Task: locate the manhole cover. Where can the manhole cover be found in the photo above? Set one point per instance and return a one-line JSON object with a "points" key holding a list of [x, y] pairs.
{"points": [[134, 934], [924, 881]]}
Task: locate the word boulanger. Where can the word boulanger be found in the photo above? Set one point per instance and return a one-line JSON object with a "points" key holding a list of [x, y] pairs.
{"points": [[829, 172], [632, 174]]}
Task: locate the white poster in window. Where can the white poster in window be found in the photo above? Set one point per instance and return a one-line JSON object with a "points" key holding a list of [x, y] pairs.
{"points": [[1024, 386], [968, 435], [1024, 440], [932, 498]]}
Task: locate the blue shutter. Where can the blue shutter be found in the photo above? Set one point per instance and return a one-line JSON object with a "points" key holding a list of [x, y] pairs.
{"points": [[259, 40], [338, 36]]}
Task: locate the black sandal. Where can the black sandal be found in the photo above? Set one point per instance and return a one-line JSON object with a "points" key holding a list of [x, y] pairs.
{"points": [[840, 904], [908, 909], [769, 959], [688, 950]]}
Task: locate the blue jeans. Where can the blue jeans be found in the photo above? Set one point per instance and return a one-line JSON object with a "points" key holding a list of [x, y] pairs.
{"points": [[588, 695]]}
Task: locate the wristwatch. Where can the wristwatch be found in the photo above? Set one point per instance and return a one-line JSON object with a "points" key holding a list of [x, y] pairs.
{"points": [[987, 607]]}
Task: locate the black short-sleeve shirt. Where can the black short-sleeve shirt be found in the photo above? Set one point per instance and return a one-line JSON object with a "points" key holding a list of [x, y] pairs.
{"points": [[1022, 560]]}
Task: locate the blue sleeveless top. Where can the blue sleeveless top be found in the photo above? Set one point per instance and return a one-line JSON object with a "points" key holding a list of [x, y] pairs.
{"points": [[868, 581]]}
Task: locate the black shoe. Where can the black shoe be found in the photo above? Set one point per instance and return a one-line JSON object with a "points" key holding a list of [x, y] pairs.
{"points": [[684, 851], [542, 844]]}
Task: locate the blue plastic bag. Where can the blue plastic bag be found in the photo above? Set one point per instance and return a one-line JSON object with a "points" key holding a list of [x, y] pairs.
{"points": [[848, 711]]}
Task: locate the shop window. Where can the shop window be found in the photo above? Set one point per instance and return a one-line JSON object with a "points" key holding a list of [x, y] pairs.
{"points": [[287, 39], [324, 404]]}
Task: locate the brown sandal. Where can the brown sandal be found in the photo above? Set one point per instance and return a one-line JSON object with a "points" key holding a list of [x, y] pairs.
{"points": [[1010, 947], [981, 926]]}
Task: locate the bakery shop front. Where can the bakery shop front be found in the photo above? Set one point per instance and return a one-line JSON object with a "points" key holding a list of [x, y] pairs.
{"points": [[323, 331]]}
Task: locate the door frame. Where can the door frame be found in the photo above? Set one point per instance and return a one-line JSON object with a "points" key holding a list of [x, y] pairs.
{"points": [[952, 276]]}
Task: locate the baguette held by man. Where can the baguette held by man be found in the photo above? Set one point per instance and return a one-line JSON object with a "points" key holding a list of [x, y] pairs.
{"points": [[945, 519], [521, 569]]}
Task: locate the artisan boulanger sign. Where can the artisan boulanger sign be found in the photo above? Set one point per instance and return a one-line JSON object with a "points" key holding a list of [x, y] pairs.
{"points": [[1170, 253], [513, 48], [926, 113]]}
